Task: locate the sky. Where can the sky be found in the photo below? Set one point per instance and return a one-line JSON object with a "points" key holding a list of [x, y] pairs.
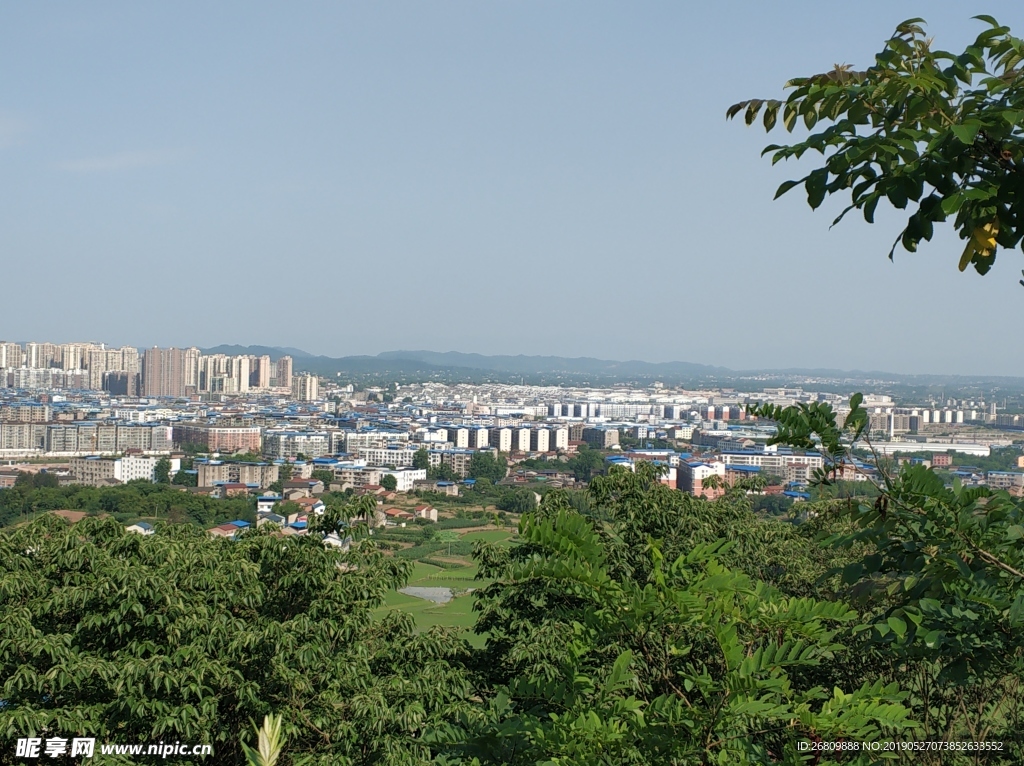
{"points": [[499, 178]]}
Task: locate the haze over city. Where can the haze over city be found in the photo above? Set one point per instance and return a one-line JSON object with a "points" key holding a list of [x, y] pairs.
{"points": [[498, 179]]}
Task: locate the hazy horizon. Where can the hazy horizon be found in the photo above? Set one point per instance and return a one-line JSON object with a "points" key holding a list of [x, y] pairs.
{"points": [[522, 179]]}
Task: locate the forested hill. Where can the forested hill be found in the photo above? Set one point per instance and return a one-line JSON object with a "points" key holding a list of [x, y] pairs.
{"points": [[553, 370]]}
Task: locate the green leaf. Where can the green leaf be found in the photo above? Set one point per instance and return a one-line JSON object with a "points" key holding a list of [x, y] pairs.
{"points": [[784, 187], [952, 203], [966, 133], [899, 627]]}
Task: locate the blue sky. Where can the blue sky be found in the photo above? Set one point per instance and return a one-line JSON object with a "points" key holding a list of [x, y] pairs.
{"points": [[549, 178]]}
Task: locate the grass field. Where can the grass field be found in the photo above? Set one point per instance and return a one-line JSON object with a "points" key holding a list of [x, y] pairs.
{"points": [[457, 613], [490, 536]]}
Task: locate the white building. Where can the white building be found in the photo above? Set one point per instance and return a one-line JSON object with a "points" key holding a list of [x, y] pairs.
{"points": [[97, 471], [459, 436], [502, 439], [355, 441], [773, 462], [559, 438], [540, 440], [478, 437], [286, 444], [305, 387], [521, 439], [396, 456], [406, 477]]}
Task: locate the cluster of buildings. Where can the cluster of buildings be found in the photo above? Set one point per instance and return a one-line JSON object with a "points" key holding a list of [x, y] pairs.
{"points": [[114, 412], [153, 372]]}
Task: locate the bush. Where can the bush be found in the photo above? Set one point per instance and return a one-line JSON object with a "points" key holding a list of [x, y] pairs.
{"points": [[417, 552], [443, 564], [462, 523], [406, 535]]}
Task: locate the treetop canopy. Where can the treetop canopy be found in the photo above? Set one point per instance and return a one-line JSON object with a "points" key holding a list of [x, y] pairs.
{"points": [[933, 132]]}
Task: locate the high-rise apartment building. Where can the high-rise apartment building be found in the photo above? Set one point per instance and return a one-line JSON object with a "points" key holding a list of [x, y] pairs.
{"points": [[283, 379], [103, 360], [260, 371], [223, 374], [191, 364], [164, 371], [74, 356], [11, 355], [41, 356], [241, 368], [306, 387]]}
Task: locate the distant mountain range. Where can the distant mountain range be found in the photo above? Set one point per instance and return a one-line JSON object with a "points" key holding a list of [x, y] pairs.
{"points": [[452, 365]]}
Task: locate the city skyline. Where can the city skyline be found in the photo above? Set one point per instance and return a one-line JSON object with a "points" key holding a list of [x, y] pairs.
{"points": [[535, 160], [98, 359]]}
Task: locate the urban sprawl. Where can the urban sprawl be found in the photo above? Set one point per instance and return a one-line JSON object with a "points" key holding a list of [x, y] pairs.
{"points": [[255, 426]]}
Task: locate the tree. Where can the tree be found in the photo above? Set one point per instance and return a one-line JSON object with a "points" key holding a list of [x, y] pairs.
{"points": [[637, 641], [517, 501], [442, 473], [586, 462], [36, 480], [224, 633], [485, 465], [939, 576], [389, 482], [288, 508], [186, 478], [922, 128], [447, 537], [421, 459], [324, 476], [162, 471]]}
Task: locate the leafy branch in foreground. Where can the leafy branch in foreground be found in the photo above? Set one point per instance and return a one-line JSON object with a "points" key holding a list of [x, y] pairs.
{"points": [[942, 579], [270, 743], [939, 133]]}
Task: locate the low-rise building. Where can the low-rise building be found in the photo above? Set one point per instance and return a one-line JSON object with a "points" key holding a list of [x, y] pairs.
{"points": [[601, 438], [1008, 480], [694, 475], [457, 460], [97, 471], [227, 439], [222, 471], [425, 512], [406, 478], [290, 444]]}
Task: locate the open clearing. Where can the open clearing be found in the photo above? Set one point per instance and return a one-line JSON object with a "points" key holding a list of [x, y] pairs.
{"points": [[457, 613]]}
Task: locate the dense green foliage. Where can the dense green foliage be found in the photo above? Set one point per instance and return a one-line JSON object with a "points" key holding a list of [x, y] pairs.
{"points": [[940, 584], [517, 501], [323, 476], [640, 625], [681, 631], [485, 465], [586, 462], [125, 503], [940, 133], [180, 636]]}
